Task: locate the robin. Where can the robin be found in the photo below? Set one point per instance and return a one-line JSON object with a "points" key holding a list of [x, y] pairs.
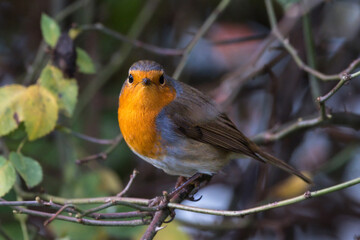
{"points": [[178, 129]]}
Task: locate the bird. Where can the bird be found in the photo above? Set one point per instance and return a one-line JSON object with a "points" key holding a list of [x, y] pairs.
{"points": [[179, 129]]}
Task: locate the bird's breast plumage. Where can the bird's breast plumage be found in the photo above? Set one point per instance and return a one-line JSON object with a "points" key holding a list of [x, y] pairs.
{"points": [[138, 109]]}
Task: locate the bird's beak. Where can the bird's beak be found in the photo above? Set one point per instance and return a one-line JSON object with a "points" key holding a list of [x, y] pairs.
{"points": [[146, 81]]}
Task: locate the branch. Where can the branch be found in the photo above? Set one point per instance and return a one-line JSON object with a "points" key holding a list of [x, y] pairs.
{"points": [[56, 214], [161, 215], [136, 43], [269, 206], [73, 210], [118, 58], [233, 82], [101, 155], [340, 118], [112, 203], [292, 51], [240, 39], [128, 185], [204, 28], [86, 137], [84, 221]]}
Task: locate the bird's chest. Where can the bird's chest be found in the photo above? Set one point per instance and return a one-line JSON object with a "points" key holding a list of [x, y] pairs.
{"points": [[138, 127]]}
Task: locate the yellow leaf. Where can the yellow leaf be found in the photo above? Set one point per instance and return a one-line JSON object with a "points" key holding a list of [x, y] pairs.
{"points": [[40, 111], [65, 90], [10, 109], [290, 187]]}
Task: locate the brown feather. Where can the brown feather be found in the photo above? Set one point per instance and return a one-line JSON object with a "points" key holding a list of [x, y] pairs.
{"points": [[204, 123]]}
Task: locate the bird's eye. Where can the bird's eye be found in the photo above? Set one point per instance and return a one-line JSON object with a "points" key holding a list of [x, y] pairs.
{"points": [[162, 80], [131, 79]]}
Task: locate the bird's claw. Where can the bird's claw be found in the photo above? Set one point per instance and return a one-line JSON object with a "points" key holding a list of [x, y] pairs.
{"points": [[172, 215], [193, 199]]}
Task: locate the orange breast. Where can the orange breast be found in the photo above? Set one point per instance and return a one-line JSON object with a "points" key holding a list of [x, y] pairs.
{"points": [[139, 106]]}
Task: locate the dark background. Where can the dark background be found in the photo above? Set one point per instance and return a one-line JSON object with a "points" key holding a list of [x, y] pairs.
{"points": [[278, 95]]}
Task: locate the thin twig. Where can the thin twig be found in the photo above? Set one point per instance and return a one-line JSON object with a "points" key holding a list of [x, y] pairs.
{"points": [[323, 99], [118, 58], [84, 221], [131, 180], [56, 214], [269, 206], [112, 203], [339, 118], [195, 209], [232, 83], [204, 28], [292, 51], [102, 155], [74, 210], [286, 129], [88, 138], [240, 39], [161, 215], [134, 42], [96, 209]]}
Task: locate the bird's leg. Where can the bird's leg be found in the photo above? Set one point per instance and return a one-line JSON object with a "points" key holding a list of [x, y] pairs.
{"points": [[196, 179], [182, 185], [162, 201], [198, 183], [180, 181]]}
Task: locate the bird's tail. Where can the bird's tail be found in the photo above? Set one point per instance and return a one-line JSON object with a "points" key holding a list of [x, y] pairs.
{"points": [[266, 157]]}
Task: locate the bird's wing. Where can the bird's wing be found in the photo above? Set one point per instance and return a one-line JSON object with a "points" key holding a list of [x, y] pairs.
{"points": [[216, 130], [196, 117]]}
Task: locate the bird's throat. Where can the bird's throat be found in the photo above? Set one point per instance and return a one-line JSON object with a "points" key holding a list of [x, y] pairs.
{"points": [[137, 113]]}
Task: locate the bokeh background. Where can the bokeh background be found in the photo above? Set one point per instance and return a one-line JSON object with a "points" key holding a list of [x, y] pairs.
{"points": [[236, 45]]}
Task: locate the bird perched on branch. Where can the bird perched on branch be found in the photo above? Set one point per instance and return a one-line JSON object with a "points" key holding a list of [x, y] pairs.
{"points": [[177, 128]]}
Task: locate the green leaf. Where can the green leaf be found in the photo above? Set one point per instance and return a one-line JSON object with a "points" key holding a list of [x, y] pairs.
{"points": [[50, 30], [84, 62], [7, 176], [28, 168], [65, 90], [10, 108], [40, 111]]}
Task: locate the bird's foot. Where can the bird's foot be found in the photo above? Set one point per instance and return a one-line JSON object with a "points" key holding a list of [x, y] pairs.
{"points": [[160, 202]]}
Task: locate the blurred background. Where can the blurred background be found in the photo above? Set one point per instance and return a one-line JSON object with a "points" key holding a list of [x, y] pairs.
{"points": [[246, 71]]}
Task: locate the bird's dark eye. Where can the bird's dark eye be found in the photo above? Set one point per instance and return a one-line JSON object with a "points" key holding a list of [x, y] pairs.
{"points": [[131, 79], [162, 80]]}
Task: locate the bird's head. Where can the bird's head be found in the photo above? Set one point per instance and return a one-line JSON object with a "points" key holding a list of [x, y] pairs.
{"points": [[147, 84]]}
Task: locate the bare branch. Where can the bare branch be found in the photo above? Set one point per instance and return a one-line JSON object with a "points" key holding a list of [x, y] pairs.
{"points": [[292, 51], [126, 189], [56, 214], [161, 215], [136, 43], [89, 138], [204, 28], [340, 118], [84, 221], [101, 155], [269, 206]]}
